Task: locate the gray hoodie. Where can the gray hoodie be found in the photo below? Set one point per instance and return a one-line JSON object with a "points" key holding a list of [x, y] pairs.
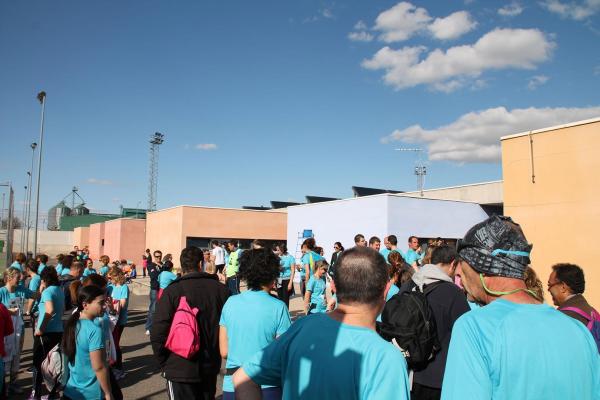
{"points": [[430, 273]]}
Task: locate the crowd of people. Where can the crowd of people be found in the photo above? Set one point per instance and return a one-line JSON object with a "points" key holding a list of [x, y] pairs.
{"points": [[437, 320]]}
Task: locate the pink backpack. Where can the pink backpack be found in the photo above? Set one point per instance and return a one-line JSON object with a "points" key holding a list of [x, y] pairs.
{"points": [[184, 335]]}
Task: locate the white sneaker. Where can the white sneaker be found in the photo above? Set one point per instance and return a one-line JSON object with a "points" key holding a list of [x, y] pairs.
{"points": [[147, 332]]}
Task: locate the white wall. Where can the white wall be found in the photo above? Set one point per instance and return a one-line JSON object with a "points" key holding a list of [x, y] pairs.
{"points": [[49, 242], [338, 221], [428, 218], [381, 215]]}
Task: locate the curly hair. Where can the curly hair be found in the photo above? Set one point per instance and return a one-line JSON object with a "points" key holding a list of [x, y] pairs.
{"points": [[258, 267], [533, 283]]}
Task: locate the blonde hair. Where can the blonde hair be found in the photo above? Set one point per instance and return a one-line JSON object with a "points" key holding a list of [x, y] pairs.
{"points": [[117, 275], [11, 273], [534, 284]]}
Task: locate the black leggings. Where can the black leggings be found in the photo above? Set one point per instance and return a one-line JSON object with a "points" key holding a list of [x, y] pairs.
{"points": [[284, 293], [41, 347]]}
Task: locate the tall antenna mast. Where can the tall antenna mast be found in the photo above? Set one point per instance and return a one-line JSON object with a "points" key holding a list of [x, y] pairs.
{"points": [[155, 140], [420, 168]]}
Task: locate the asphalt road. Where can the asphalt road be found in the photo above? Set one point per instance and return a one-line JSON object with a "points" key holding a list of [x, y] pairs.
{"points": [[143, 380]]}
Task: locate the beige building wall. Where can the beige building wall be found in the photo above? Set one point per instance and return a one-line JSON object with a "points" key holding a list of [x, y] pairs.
{"points": [[124, 239], [96, 240], [81, 237], [559, 207], [168, 230], [482, 193]]}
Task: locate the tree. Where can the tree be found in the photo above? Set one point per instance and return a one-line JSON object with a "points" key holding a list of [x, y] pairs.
{"points": [[17, 223]]}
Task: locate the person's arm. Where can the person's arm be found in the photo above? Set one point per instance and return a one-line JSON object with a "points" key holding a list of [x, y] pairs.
{"points": [[291, 283], [161, 324], [223, 344], [307, 301], [306, 272], [99, 367], [45, 319], [245, 388]]}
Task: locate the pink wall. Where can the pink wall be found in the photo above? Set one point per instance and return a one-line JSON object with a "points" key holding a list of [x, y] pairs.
{"points": [[96, 237], [81, 237], [125, 238]]}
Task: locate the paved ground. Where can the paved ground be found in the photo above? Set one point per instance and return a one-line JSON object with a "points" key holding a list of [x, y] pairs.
{"points": [[143, 380]]}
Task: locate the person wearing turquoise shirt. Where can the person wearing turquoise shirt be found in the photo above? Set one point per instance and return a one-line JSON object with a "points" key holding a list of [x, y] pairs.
{"points": [[49, 326], [19, 262], [104, 268], [42, 260], [337, 355], [394, 273], [84, 348], [34, 284], [307, 262], [515, 346], [119, 292], [315, 298], [414, 254], [165, 277], [285, 281], [89, 270], [385, 250], [253, 319]]}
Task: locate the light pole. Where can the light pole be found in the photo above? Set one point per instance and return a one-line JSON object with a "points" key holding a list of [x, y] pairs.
{"points": [[42, 99], [33, 146], [420, 169], [23, 220]]}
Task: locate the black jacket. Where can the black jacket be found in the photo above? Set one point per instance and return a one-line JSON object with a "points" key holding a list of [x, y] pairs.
{"points": [[209, 295], [447, 302], [153, 271]]}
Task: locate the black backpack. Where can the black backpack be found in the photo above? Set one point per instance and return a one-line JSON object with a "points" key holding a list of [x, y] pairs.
{"points": [[408, 319]]}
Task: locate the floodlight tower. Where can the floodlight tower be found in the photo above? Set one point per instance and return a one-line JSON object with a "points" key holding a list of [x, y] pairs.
{"points": [[420, 168], [155, 140]]}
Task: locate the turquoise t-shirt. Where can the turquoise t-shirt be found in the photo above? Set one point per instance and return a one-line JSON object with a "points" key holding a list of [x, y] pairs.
{"points": [[41, 268], [320, 358], [507, 350], [59, 268], [118, 293], [317, 294], [104, 270], [34, 283], [287, 262], [165, 278], [306, 260], [21, 293], [412, 256], [82, 383], [391, 292], [88, 272], [65, 271], [253, 319], [57, 297], [16, 265], [384, 251]]}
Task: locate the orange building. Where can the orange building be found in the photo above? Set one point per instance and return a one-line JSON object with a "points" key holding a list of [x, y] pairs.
{"points": [[552, 189], [172, 229]]}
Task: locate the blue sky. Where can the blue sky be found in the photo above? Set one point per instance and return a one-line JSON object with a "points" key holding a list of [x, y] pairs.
{"points": [[275, 100]]}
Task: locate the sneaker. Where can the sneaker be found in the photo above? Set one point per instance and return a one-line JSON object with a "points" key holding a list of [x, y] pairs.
{"points": [[147, 332], [14, 388]]}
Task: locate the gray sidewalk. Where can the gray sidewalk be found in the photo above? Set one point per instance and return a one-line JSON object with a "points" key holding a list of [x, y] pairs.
{"points": [[143, 380]]}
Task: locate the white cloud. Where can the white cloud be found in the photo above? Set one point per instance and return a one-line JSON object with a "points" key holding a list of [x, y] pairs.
{"points": [[360, 36], [573, 10], [475, 137], [95, 181], [206, 146], [452, 26], [401, 22], [511, 10], [537, 81], [327, 13], [498, 49], [360, 26]]}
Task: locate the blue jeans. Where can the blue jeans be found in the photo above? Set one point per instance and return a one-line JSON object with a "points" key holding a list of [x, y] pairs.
{"points": [[151, 308], [233, 284]]}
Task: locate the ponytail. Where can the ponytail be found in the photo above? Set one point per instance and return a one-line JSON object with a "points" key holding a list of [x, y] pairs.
{"points": [[85, 294]]}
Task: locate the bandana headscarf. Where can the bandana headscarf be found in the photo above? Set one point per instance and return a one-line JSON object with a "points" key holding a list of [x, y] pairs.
{"points": [[496, 246]]}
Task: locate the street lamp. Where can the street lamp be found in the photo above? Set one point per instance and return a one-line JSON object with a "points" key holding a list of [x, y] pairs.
{"points": [[28, 217], [42, 99]]}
